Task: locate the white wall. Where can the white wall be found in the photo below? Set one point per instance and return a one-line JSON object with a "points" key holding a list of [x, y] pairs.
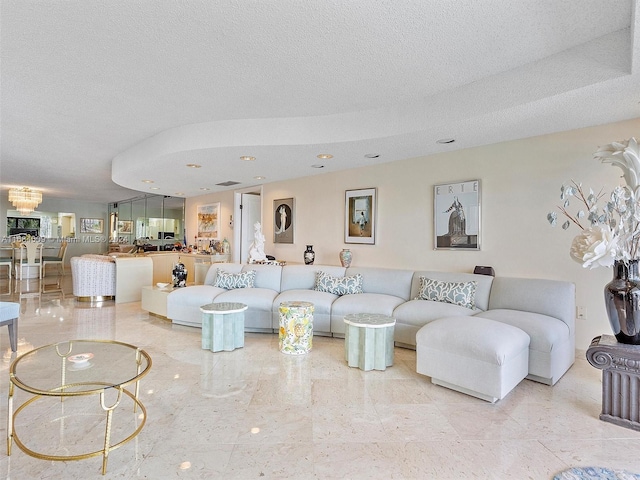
{"points": [[520, 183]]}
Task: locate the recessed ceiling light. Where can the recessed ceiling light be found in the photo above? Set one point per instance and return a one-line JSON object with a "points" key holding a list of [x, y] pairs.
{"points": [[325, 156], [193, 165], [147, 181], [259, 177], [154, 188], [372, 155], [204, 188], [179, 193], [317, 165], [247, 158], [446, 140]]}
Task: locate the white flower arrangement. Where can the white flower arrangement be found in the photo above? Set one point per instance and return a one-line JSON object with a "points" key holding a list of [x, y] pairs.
{"points": [[613, 230]]}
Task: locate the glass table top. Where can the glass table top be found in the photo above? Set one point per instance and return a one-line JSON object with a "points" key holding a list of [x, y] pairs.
{"points": [[78, 367]]}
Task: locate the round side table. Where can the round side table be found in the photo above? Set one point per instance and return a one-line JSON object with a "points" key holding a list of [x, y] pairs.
{"points": [[296, 327], [223, 326], [368, 340]]}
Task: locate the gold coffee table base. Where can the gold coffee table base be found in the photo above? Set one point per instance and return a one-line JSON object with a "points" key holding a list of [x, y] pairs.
{"points": [[68, 388], [107, 436]]}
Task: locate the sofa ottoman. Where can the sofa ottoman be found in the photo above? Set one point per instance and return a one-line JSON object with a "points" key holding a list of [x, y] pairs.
{"points": [[475, 356]]}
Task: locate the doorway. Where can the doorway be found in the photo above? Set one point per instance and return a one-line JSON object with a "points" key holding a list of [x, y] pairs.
{"points": [[247, 211]]}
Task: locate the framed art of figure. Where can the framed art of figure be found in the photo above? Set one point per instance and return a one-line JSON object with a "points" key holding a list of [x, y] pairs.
{"points": [[209, 221], [360, 216], [457, 215], [283, 220]]}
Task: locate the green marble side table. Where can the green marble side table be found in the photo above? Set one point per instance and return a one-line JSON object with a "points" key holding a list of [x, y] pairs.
{"points": [[368, 340], [223, 326]]}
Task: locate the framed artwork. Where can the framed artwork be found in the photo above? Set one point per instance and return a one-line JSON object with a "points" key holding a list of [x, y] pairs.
{"points": [[457, 215], [125, 226], [360, 216], [209, 221], [283, 220], [91, 225]]}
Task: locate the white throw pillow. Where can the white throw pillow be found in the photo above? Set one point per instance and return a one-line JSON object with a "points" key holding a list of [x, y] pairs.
{"points": [[235, 280], [456, 293], [338, 285]]}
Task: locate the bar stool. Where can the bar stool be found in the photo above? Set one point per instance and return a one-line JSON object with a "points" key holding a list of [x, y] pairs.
{"points": [[9, 313]]}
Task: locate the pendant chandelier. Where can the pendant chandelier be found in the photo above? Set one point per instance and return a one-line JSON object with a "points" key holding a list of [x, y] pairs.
{"points": [[25, 199]]}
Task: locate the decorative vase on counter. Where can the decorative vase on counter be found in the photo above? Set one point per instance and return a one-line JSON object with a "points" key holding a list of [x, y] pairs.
{"points": [[179, 275], [345, 257], [622, 302], [309, 255]]}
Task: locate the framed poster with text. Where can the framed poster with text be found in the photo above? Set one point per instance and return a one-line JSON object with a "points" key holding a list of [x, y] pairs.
{"points": [[457, 215]]}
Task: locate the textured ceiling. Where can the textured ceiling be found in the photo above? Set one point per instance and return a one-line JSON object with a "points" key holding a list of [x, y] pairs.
{"points": [[98, 95]]}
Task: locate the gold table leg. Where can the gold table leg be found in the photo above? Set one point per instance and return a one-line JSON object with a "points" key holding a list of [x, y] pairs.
{"points": [[107, 433], [10, 419]]}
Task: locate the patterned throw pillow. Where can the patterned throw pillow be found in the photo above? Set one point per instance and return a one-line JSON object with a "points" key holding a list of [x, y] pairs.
{"points": [[457, 293], [338, 285], [235, 280]]}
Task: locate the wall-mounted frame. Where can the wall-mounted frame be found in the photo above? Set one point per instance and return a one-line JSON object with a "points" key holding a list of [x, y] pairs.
{"points": [[209, 221], [283, 221], [92, 225], [360, 216], [125, 227], [456, 212]]}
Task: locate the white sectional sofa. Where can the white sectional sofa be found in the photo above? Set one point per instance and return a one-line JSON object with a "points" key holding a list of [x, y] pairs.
{"points": [[543, 309]]}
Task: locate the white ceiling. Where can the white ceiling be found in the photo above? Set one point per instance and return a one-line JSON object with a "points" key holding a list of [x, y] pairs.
{"points": [[98, 95]]}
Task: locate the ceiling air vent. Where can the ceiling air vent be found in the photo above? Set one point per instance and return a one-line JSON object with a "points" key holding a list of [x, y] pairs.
{"points": [[228, 183]]}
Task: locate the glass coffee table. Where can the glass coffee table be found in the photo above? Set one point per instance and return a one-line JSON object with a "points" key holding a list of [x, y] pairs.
{"points": [[77, 368]]}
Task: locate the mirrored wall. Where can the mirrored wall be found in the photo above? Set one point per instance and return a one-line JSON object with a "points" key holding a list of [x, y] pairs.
{"points": [[152, 222]]}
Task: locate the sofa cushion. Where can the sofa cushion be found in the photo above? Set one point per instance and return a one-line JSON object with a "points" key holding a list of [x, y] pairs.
{"points": [[267, 276], [457, 293], [298, 277], [257, 299], [421, 312], [386, 281], [338, 285], [546, 332], [230, 281]]}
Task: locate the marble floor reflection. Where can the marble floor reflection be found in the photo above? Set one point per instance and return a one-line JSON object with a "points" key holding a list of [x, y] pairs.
{"points": [[256, 413]]}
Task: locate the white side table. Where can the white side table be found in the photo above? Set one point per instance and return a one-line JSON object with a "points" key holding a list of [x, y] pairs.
{"points": [[368, 340], [223, 326], [154, 299]]}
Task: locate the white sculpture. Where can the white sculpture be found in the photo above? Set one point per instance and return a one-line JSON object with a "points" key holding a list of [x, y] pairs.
{"points": [[283, 220], [256, 249]]}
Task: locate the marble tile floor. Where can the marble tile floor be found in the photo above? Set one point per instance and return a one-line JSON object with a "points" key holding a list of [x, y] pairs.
{"points": [[256, 413]]}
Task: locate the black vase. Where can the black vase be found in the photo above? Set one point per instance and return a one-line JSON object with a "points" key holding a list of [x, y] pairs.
{"points": [[179, 275], [309, 255], [622, 301]]}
